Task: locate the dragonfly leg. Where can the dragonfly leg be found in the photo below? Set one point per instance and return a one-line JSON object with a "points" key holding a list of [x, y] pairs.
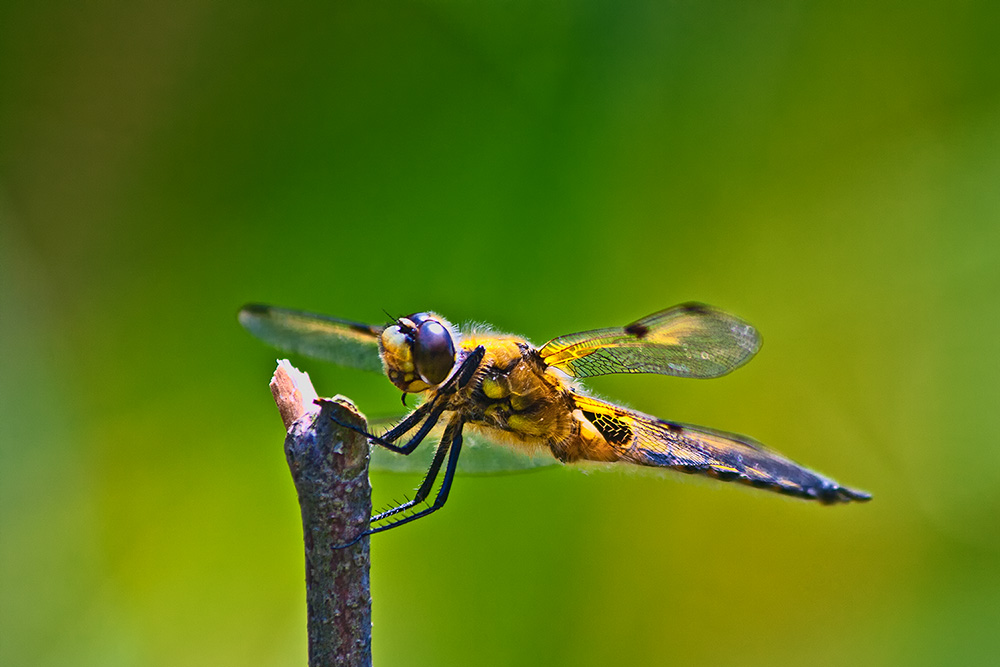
{"points": [[453, 434], [427, 412], [426, 485], [451, 444]]}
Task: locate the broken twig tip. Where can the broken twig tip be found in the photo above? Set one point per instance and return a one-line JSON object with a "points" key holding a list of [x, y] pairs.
{"points": [[293, 392]]}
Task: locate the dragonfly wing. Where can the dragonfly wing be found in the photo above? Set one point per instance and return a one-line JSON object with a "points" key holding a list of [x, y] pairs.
{"points": [[318, 336], [691, 340], [480, 455], [645, 440]]}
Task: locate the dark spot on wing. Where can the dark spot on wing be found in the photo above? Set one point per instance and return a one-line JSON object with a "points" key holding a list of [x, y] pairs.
{"points": [[637, 330], [696, 308]]}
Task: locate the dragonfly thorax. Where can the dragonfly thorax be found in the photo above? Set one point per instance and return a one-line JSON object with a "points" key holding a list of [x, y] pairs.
{"points": [[418, 351]]}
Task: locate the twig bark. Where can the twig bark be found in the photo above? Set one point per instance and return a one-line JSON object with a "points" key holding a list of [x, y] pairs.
{"points": [[329, 465]]}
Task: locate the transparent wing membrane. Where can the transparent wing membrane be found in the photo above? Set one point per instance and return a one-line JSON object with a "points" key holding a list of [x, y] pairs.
{"points": [[691, 340], [318, 336]]}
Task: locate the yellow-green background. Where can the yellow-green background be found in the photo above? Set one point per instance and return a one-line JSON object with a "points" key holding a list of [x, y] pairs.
{"points": [[830, 172]]}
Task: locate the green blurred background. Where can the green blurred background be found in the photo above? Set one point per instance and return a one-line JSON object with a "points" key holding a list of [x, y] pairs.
{"points": [[829, 172]]}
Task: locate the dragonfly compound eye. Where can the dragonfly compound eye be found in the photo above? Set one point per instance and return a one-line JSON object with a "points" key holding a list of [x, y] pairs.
{"points": [[433, 352]]}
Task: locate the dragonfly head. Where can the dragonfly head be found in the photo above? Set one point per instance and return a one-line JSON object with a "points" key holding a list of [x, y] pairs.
{"points": [[418, 351]]}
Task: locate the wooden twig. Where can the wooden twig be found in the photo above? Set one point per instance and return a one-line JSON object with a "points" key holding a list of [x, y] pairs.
{"points": [[329, 465]]}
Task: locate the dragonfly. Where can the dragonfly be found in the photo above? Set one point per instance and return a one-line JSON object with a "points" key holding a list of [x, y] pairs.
{"points": [[529, 399]]}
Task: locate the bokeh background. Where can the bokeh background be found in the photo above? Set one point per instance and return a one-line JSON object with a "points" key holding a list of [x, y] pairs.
{"points": [[829, 172]]}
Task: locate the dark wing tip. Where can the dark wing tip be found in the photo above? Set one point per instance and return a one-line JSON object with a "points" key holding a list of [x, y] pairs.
{"points": [[252, 312], [254, 308], [852, 494], [841, 494]]}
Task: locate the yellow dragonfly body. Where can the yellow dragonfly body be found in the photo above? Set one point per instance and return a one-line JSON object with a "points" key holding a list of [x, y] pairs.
{"points": [[515, 394]]}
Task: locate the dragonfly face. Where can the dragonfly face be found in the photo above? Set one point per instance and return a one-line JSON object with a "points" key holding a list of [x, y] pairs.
{"points": [[418, 351], [527, 398]]}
